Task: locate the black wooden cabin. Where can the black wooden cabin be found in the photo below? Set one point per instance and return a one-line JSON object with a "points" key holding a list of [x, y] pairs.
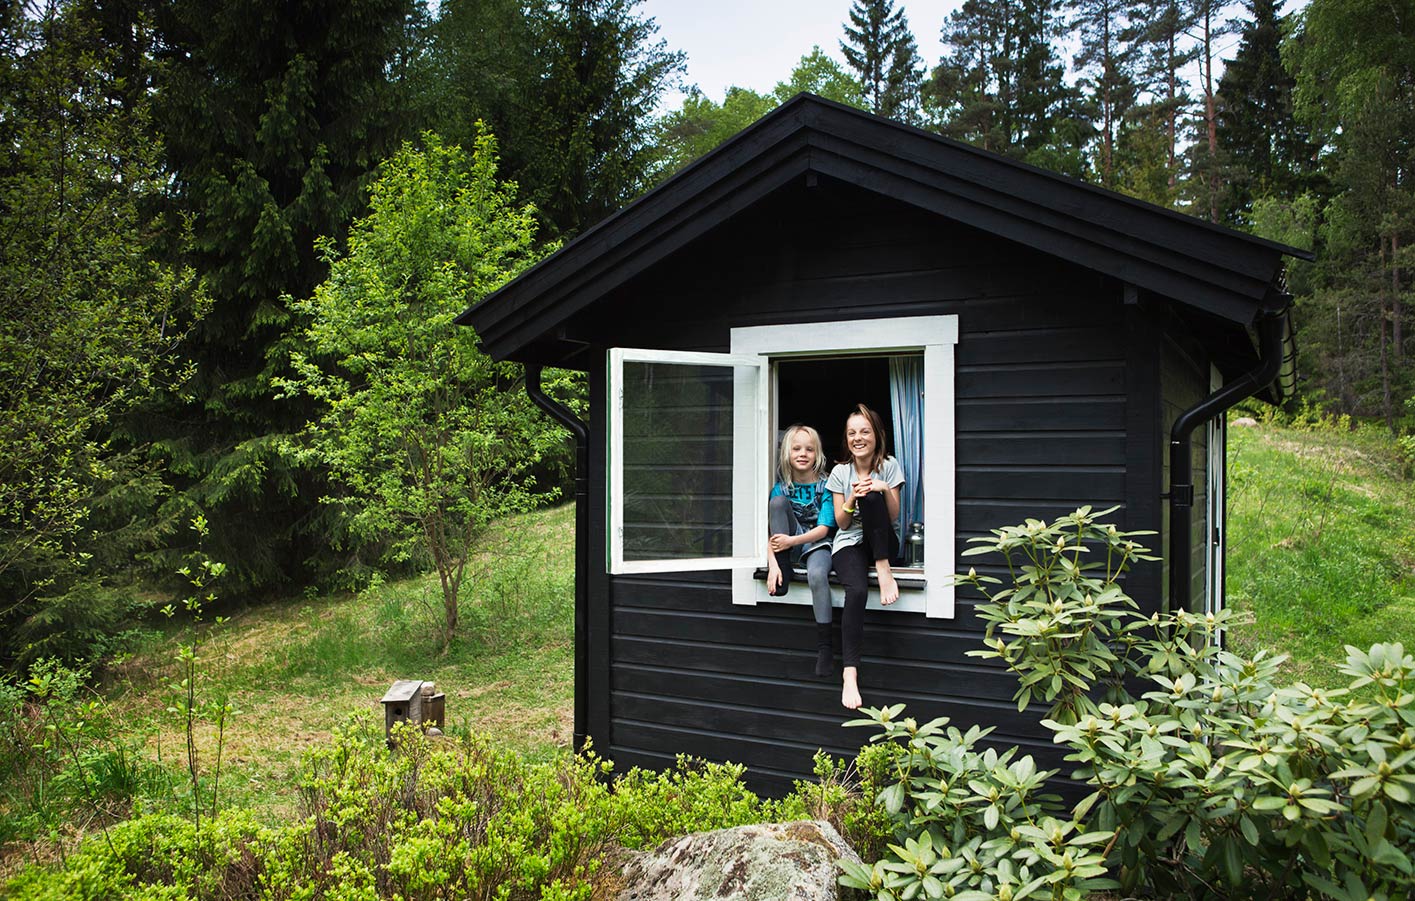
{"points": [[1061, 332]]}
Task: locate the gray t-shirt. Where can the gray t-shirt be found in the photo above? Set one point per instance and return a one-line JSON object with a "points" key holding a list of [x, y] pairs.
{"points": [[842, 482]]}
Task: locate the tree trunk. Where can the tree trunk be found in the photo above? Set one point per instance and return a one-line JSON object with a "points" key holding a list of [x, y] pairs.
{"points": [[1210, 113], [1396, 309], [1387, 406]]}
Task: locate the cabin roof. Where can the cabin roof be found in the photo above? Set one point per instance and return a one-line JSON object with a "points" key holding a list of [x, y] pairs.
{"points": [[1222, 272]]}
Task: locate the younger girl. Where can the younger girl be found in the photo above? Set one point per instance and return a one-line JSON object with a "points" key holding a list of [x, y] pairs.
{"points": [[864, 492], [800, 515]]}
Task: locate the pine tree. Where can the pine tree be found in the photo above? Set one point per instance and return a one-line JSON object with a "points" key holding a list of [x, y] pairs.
{"points": [[1165, 53], [1209, 167], [1106, 59], [274, 114], [881, 50]]}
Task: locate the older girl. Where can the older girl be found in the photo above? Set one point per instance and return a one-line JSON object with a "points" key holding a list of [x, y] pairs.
{"points": [[864, 492], [800, 519]]}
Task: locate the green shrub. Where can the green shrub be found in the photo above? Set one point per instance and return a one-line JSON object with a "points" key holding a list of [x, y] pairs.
{"points": [[1208, 779], [433, 819]]}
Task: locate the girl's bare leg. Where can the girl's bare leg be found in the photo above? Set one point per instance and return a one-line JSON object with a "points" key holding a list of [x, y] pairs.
{"points": [[850, 689]]}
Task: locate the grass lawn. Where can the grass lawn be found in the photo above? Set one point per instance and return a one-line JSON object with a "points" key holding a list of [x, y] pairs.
{"points": [[298, 669], [1321, 545]]}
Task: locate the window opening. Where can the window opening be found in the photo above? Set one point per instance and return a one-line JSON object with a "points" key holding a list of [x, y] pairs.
{"points": [[821, 392]]}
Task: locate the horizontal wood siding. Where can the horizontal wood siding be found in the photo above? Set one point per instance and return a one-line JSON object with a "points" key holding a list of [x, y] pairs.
{"points": [[1042, 404]]}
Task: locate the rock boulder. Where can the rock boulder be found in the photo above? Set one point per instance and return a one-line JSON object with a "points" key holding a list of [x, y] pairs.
{"points": [[786, 861]]}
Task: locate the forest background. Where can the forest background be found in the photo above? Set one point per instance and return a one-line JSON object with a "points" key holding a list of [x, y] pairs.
{"points": [[203, 200]]}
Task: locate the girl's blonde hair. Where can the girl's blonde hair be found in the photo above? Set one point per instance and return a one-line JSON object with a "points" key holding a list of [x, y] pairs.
{"points": [[784, 469]]}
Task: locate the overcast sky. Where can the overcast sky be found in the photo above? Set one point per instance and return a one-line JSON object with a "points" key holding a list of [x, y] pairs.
{"points": [[755, 43]]}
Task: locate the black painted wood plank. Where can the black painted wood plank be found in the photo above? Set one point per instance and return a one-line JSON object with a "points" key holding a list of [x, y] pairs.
{"points": [[1105, 485], [1040, 346], [1098, 413], [1060, 449], [1040, 379]]}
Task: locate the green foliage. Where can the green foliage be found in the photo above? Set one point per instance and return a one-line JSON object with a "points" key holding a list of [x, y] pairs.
{"points": [[999, 85], [273, 115], [69, 761], [92, 317], [817, 73], [971, 823], [1062, 618], [436, 818], [426, 438], [192, 700], [1271, 155], [570, 88], [1355, 95], [1209, 780], [700, 125]]}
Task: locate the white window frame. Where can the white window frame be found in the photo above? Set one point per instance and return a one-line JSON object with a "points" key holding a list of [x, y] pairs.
{"points": [[934, 337], [749, 431]]}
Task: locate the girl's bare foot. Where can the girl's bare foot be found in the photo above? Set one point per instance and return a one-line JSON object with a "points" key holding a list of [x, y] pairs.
{"points": [[850, 690], [888, 588]]}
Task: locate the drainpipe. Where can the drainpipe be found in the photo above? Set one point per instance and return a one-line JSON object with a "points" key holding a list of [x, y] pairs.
{"points": [[582, 534], [1181, 468]]}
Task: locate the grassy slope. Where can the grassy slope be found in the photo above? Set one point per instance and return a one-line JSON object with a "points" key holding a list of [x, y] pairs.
{"points": [[299, 669], [1321, 550]]}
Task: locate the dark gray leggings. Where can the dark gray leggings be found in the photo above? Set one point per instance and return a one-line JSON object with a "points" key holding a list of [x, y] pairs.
{"points": [[852, 565], [781, 520]]}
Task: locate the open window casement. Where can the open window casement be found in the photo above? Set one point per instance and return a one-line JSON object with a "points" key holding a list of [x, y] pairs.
{"points": [[686, 469]]}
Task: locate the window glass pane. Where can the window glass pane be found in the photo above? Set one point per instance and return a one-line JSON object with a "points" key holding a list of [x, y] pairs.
{"points": [[677, 458]]}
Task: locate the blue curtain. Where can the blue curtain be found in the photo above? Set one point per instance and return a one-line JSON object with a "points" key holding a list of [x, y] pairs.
{"points": [[906, 389]]}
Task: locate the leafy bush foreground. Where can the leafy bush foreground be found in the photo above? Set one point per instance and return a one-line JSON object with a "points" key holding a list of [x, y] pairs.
{"points": [[1207, 780], [448, 818]]}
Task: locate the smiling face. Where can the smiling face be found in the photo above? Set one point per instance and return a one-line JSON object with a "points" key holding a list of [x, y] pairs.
{"points": [[803, 454], [860, 439]]}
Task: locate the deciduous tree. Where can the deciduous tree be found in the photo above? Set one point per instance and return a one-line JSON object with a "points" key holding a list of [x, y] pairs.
{"points": [[425, 438]]}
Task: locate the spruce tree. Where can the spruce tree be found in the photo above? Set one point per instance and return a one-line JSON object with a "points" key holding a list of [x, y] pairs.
{"points": [[881, 50], [569, 88], [274, 114], [1271, 153]]}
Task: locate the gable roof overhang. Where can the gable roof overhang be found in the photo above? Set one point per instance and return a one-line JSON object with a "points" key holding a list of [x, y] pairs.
{"points": [[1217, 271]]}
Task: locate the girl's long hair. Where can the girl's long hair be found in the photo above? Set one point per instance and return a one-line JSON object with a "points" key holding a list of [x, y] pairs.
{"points": [[877, 426], [784, 470]]}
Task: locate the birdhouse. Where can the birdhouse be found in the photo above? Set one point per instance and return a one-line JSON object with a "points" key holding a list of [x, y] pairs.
{"points": [[412, 701]]}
